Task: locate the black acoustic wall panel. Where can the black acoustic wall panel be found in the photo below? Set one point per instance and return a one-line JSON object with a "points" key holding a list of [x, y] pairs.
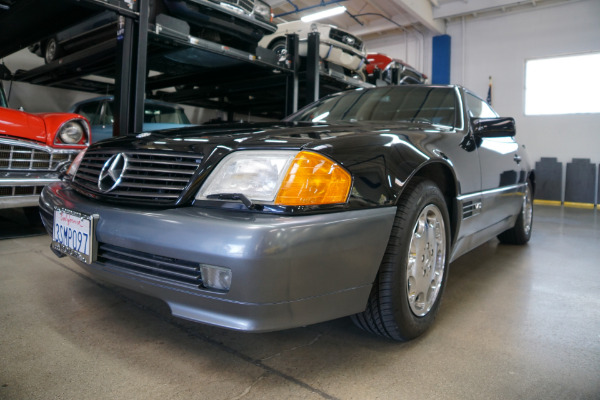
{"points": [[581, 181], [548, 177]]}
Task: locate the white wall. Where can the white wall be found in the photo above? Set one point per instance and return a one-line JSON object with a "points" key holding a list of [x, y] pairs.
{"points": [[499, 46], [36, 99]]}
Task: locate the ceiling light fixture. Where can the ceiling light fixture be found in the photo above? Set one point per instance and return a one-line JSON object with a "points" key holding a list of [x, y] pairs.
{"points": [[324, 14]]}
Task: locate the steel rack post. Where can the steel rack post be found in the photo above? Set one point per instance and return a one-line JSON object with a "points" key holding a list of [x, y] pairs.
{"points": [[130, 81], [123, 75], [312, 68], [291, 87], [395, 76], [140, 70]]}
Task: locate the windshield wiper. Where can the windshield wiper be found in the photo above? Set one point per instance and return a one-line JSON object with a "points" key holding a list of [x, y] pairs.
{"points": [[415, 121], [425, 122]]}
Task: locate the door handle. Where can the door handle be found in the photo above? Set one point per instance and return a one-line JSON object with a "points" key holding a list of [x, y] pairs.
{"points": [[517, 159]]}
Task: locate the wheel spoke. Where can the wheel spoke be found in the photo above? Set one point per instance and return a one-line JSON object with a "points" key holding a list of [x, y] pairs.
{"points": [[426, 260]]}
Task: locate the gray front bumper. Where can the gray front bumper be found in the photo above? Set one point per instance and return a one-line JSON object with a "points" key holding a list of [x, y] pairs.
{"points": [[287, 271]]}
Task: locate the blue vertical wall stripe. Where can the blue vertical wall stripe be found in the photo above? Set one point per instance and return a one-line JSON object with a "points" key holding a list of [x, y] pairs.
{"points": [[440, 60]]}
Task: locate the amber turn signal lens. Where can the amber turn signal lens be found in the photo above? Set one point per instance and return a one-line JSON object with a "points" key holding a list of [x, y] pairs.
{"points": [[313, 179]]}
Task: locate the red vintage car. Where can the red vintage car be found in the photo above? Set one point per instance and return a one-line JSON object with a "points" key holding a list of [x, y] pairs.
{"points": [[34, 150], [380, 68]]}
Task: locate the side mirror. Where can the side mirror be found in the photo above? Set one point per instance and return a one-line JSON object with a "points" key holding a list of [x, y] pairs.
{"points": [[493, 127]]}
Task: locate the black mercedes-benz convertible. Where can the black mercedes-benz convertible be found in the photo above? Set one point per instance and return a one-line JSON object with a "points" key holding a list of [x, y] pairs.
{"points": [[355, 205]]}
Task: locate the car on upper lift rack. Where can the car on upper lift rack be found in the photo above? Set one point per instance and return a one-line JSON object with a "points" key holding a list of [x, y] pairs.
{"points": [[236, 23], [34, 150], [239, 24], [380, 68], [337, 47]]}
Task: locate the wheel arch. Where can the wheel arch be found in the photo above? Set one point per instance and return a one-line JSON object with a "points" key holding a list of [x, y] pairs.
{"points": [[443, 176], [275, 40]]}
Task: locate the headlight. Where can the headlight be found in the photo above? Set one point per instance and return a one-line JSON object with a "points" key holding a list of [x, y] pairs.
{"points": [[70, 133], [256, 174], [287, 178], [314, 179], [75, 164], [263, 9]]}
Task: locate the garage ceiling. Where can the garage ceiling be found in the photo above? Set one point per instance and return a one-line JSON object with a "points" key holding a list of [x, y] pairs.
{"points": [[373, 18]]}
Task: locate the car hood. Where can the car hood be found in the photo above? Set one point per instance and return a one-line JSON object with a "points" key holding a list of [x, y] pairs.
{"points": [[380, 157], [326, 138]]}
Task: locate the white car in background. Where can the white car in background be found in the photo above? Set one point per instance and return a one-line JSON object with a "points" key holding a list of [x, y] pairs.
{"points": [[336, 45]]}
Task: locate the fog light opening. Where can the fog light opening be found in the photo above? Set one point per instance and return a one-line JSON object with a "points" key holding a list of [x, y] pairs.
{"points": [[217, 278]]}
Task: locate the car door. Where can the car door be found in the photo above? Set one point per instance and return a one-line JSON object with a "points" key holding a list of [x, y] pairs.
{"points": [[499, 161]]}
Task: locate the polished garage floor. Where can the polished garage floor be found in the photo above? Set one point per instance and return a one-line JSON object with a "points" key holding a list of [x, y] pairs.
{"points": [[516, 323]]}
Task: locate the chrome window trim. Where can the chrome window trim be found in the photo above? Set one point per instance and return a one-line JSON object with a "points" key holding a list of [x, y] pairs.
{"points": [[462, 111], [490, 191]]}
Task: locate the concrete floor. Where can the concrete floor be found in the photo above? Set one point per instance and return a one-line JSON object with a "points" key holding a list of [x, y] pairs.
{"points": [[515, 323]]}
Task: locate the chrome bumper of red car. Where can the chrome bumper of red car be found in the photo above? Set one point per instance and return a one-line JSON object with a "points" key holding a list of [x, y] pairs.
{"points": [[26, 167]]}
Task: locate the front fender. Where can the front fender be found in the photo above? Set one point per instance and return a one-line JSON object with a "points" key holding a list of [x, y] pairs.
{"points": [[53, 123]]}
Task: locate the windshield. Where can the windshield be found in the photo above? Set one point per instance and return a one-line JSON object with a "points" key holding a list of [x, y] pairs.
{"points": [[425, 104], [101, 113], [164, 114]]}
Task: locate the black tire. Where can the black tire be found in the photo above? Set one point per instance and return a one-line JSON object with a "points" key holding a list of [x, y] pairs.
{"points": [[52, 50], [521, 232], [390, 312], [279, 46]]}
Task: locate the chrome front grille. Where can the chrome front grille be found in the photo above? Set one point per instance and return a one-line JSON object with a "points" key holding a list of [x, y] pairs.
{"points": [[21, 190], [346, 38], [176, 270], [17, 157], [149, 177], [247, 5]]}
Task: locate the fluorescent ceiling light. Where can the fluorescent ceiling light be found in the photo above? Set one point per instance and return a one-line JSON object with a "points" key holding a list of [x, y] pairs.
{"points": [[324, 14]]}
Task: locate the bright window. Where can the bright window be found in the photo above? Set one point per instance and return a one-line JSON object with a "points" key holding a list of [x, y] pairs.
{"points": [[563, 85]]}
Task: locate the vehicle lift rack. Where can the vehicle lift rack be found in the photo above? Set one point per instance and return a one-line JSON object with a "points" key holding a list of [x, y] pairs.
{"points": [[206, 74]]}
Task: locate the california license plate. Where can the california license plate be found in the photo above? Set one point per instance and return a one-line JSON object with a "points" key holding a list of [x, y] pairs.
{"points": [[73, 234]]}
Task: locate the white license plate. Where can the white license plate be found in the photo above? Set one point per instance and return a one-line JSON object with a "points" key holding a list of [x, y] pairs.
{"points": [[73, 234]]}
